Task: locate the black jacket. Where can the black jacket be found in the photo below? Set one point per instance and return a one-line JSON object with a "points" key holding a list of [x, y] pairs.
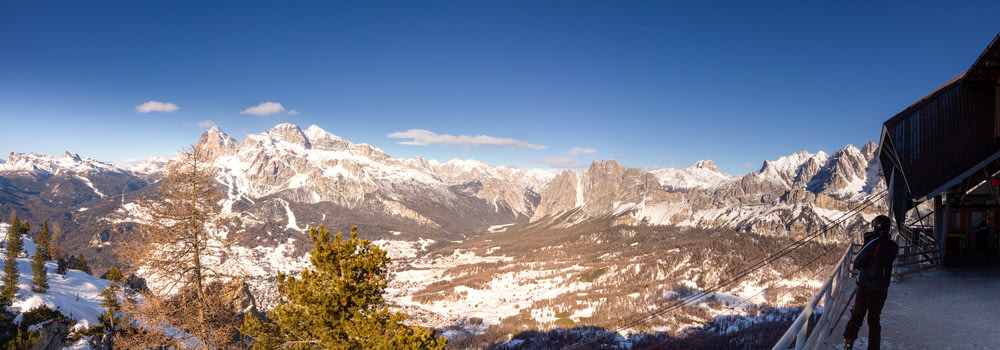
{"points": [[874, 262]]}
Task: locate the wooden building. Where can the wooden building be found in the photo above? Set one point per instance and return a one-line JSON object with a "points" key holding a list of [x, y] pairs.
{"points": [[941, 161]]}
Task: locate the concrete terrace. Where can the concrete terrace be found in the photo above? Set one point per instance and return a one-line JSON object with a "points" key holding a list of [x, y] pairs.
{"points": [[948, 309]]}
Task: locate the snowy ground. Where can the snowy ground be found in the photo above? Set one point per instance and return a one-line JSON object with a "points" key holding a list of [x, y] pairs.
{"points": [[77, 295]]}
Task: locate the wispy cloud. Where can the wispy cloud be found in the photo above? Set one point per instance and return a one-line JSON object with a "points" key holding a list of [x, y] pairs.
{"points": [[293, 112], [559, 162], [206, 124], [156, 106], [421, 137], [577, 150], [266, 108]]}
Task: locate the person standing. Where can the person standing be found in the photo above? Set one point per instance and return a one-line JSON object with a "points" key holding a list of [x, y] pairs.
{"points": [[874, 268], [983, 238]]}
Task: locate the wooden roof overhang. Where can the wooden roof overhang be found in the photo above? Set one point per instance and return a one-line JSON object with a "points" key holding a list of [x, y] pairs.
{"points": [[945, 138]]}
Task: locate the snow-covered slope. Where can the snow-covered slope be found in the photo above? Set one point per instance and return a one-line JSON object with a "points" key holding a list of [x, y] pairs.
{"points": [[701, 175], [76, 294]]}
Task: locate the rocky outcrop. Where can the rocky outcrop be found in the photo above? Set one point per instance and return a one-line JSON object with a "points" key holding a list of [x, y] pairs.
{"points": [[286, 179], [291, 178], [51, 335], [214, 143], [844, 173], [498, 185], [605, 187], [791, 195]]}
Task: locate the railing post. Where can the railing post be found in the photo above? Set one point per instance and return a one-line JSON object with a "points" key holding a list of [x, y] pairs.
{"points": [[800, 340], [829, 294]]}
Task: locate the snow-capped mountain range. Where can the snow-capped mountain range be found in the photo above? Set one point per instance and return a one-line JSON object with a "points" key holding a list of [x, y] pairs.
{"points": [[285, 179], [448, 222]]}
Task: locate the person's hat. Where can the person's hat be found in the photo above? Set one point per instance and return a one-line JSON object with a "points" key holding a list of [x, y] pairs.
{"points": [[881, 223]]}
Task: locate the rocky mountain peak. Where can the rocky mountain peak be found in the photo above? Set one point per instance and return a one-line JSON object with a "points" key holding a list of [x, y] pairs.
{"points": [[72, 156], [609, 168], [869, 149], [288, 132], [705, 164], [41, 164], [322, 139], [215, 142], [216, 133], [845, 174], [849, 149], [768, 169], [605, 187]]}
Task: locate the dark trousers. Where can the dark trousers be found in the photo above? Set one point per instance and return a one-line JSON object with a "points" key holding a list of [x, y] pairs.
{"points": [[868, 301]]}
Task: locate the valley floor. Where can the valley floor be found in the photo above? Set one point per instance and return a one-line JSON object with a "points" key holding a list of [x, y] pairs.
{"points": [[955, 309]]}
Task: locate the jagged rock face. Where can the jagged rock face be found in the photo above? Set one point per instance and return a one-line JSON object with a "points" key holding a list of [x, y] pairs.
{"points": [[499, 185], [287, 178], [794, 194], [315, 166], [808, 171], [51, 336], [845, 172], [601, 189], [214, 143], [607, 183], [562, 194]]}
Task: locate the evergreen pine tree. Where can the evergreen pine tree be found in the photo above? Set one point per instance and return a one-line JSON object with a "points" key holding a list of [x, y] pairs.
{"points": [[338, 303], [43, 241], [40, 281], [82, 265], [14, 246], [8, 330], [110, 299]]}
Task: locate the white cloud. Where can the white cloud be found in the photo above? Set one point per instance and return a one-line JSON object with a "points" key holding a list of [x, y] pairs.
{"points": [[156, 106], [266, 108], [424, 137], [293, 112], [206, 124], [577, 150], [559, 162]]}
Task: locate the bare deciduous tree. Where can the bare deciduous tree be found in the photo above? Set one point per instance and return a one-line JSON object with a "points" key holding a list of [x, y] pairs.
{"points": [[181, 238]]}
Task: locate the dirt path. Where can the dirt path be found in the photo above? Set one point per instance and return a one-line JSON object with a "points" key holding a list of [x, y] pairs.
{"points": [[951, 309]]}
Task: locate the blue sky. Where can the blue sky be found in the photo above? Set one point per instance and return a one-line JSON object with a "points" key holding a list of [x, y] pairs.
{"points": [[541, 83]]}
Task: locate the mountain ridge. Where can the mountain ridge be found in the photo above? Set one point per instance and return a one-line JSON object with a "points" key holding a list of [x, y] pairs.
{"points": [[306, 167], [464, 230]]}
